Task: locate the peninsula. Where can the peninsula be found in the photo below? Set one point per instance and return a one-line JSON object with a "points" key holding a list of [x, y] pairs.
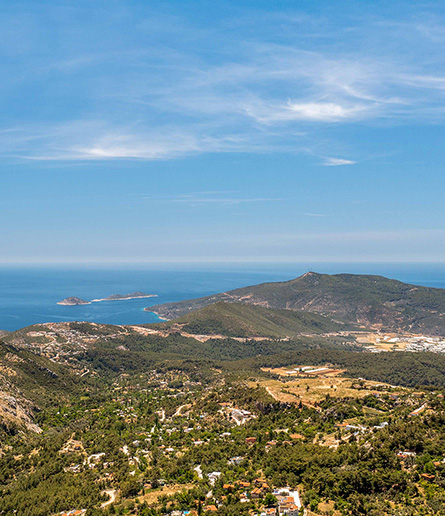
{"points": [[123, 297], [369, 301], [73, 301]]}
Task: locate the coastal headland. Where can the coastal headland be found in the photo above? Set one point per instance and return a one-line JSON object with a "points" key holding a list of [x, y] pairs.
{"points": [[73, 301]]}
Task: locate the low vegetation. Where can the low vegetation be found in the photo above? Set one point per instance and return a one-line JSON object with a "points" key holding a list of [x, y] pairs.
{"points": [[240, 320]]}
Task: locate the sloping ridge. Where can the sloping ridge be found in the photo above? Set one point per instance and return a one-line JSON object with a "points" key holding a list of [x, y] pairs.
{"points": [[29, 382], [371, 301], [243, 320]]}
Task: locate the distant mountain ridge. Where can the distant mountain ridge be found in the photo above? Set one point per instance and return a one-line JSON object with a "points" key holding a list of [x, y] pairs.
{"points": [[368, 300]]}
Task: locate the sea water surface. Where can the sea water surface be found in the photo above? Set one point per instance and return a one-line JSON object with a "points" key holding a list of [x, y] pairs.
{"points": [[29, 294]]}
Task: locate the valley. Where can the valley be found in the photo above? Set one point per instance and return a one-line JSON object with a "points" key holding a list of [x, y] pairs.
{"points": [[232, 409]]}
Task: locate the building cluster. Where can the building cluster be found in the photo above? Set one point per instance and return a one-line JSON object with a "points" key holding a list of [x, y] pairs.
{"points": [[360, 429], [239, 416], [431, 344], [413, 343], [288, 503]]}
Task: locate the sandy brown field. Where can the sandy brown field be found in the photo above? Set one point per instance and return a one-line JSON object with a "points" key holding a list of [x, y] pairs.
{"points": [[311, 389], [152, 496]]}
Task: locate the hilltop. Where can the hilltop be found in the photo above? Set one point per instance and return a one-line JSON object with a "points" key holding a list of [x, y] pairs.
{"points": [[73, 301], [241, 320], [371, 301]]}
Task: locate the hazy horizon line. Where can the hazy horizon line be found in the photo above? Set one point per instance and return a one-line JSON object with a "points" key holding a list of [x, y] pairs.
{"points": [[218, 262]]}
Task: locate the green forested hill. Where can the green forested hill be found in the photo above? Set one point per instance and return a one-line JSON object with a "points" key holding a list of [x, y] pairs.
{"points": [[34, 376], [372, 301], [407, 369], [242, 320]]}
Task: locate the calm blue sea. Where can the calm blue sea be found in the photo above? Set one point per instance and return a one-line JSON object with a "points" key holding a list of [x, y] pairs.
{"points": [[29, 295]]}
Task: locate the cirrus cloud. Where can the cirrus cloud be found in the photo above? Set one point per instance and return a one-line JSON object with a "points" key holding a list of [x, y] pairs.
{"points": [[336, 162]]}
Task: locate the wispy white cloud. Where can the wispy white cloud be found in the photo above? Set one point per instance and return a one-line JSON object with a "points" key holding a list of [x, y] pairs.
{"points": [[203, 198], [99, 140], [336, 162], [172, 99], [324, 111], [423, 81], [228, 200]]}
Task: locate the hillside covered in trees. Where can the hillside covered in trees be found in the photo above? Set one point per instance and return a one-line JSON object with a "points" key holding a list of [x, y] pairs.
{"points": [[161, 424], [218, 413], [371, 301], [242, 320]]}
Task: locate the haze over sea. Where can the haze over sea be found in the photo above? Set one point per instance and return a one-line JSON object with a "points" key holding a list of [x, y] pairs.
{"points": [[29, 295]]}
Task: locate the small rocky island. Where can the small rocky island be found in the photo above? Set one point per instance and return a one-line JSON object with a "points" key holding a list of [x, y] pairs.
{"points": [[122, 297], [73, 301]]}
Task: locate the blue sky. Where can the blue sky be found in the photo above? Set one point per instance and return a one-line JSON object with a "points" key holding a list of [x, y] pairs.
{"points": [[222, 130]]}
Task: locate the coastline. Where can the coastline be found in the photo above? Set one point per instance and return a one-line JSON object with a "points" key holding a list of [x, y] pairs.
{"points": [[122, 298], [156, 313], [61, 303]]}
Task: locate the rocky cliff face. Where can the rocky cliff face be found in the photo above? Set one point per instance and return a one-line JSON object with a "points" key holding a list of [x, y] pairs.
{"points": [[16, 414]]}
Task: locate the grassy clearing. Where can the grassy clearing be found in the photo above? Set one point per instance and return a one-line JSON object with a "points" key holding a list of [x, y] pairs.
{"points": [[151, 496], [312, 389]]}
